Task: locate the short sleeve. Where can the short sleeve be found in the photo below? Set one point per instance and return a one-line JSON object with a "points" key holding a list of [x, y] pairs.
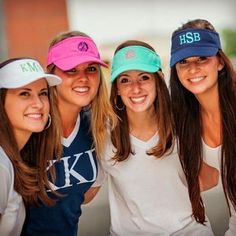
{"points": [[5, 183], [100, 177]]}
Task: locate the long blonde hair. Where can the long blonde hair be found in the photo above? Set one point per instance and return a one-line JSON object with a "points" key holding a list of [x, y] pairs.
{"points": [[102, 115]]}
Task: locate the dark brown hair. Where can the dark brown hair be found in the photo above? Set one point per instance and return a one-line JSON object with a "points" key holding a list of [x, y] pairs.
{"points": [[120, 135], [187, 117]]}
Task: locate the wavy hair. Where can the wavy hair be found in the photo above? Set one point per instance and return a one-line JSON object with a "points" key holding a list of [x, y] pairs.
{"points": [[31, 180], [102, 115], [120, 135]]}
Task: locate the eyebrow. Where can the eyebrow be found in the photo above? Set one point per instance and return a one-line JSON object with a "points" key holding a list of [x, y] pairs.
{"points": [[28, 89], [141, 73]]}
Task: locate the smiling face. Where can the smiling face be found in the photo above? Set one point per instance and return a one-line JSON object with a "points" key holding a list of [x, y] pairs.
{"points": [[79, 85], [27, 109], [199, 74], [137, 90]]}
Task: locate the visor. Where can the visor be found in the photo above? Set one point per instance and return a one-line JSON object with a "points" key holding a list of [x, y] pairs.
{"points": [[194, 43], [134, 58], [73, 51], [21, 72]]}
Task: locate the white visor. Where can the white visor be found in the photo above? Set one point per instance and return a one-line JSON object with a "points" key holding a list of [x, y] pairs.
{"points": [[21, 72]]}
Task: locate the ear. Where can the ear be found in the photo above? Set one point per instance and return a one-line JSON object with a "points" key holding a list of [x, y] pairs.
{"points": [[221, 64], [118, 92]]}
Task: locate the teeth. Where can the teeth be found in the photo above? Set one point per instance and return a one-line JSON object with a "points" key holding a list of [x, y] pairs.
{"points": [[81, 89], [139, 99], [36, 116], [194, 80]]}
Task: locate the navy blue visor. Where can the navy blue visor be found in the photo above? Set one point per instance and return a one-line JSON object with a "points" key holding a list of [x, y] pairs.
{"points": [[194, 43]]}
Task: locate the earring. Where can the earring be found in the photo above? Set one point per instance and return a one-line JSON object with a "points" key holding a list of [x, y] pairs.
{"points": [[49, 122], [119, 108]]}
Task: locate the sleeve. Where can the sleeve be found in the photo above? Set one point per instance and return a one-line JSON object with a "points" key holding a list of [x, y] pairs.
{"points": [[5, 183], [100, 177], [232, 222]]}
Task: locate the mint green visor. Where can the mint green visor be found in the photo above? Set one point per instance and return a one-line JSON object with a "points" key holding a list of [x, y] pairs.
{"points": [[134, 58]]}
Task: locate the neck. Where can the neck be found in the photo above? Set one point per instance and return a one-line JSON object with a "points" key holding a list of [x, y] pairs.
{"points": [[143, 121], [68, 118], [211, 119], [22, 138]]}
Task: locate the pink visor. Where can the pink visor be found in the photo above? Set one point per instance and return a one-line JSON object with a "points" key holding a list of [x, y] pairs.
{"points": [[73, 51]]}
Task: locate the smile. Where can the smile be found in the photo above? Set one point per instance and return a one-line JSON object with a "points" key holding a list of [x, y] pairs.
{"points": [[35, 115], [138, 99], [197, 79], [81, 89]]}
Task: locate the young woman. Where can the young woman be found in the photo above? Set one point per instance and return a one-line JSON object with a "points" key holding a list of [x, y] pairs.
{"points": [[75, 58], [204, 105], [28, 139], [147, 188]]}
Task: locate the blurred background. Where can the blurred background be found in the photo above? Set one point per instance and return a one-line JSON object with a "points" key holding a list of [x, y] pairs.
{"points": [[27, 27]]}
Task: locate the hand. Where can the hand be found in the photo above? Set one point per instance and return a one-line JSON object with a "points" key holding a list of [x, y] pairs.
{"points": [[208, 177]]}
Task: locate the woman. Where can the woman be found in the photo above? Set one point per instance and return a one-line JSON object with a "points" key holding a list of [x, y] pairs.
{"points": [[146, 184], [204, 105], [28, 139], [75, 58]]}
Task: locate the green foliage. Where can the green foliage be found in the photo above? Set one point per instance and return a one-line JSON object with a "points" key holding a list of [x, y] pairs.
{"points": [[229, 38]]}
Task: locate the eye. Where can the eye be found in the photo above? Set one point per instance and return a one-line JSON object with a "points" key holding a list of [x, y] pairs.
{"points": [[24, 94], [145, 77], [123, 80], [92, 68], [184, 61], [202, 59], [44, 93], [71, 71]]}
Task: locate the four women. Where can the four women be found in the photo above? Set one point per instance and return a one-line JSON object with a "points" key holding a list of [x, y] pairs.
{"points": [[151, 189]]}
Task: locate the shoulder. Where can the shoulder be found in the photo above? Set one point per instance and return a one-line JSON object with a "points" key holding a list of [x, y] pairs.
{"points": [[5, 163]]}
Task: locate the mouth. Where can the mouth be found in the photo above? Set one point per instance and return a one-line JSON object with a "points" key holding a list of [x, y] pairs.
{"points": [[35, 116], [196, 79], [81, 89], [138, 99]]}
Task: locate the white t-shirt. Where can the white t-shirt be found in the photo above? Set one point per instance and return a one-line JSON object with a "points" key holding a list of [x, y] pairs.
{"points": [[148, 196], [12, 209], [214, 199]]}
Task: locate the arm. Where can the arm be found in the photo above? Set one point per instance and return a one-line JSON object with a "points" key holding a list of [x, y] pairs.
{"points": [[90, 194], [208, 177], [92, 191], [232, 222]]}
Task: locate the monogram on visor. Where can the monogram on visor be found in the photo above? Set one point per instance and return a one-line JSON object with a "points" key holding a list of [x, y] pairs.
{"points": [[194, 42], [134, 58], [74, 51], [21, 72]]}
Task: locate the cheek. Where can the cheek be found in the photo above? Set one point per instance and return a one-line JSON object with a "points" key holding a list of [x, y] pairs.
{"points": [[46, 105]]}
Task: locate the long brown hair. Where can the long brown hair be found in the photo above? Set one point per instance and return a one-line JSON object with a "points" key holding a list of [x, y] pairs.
{"points": [[31, 180], [102, 115], [187, 117], [120, 135]]}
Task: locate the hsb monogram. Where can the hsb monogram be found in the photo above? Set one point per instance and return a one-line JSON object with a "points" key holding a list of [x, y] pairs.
{"points": [[189, 37]]}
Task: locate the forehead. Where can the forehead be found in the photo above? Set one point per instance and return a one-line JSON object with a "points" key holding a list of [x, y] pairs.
{"points": [[85, 65], [134, 73]]}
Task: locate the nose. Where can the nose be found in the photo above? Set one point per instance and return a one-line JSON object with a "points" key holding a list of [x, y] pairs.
{"points": [[193, 67], [136, 86], [82, 75], [37, 102]]}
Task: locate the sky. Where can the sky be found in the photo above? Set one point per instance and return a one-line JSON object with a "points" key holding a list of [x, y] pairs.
{"points": [[114, 20]]}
